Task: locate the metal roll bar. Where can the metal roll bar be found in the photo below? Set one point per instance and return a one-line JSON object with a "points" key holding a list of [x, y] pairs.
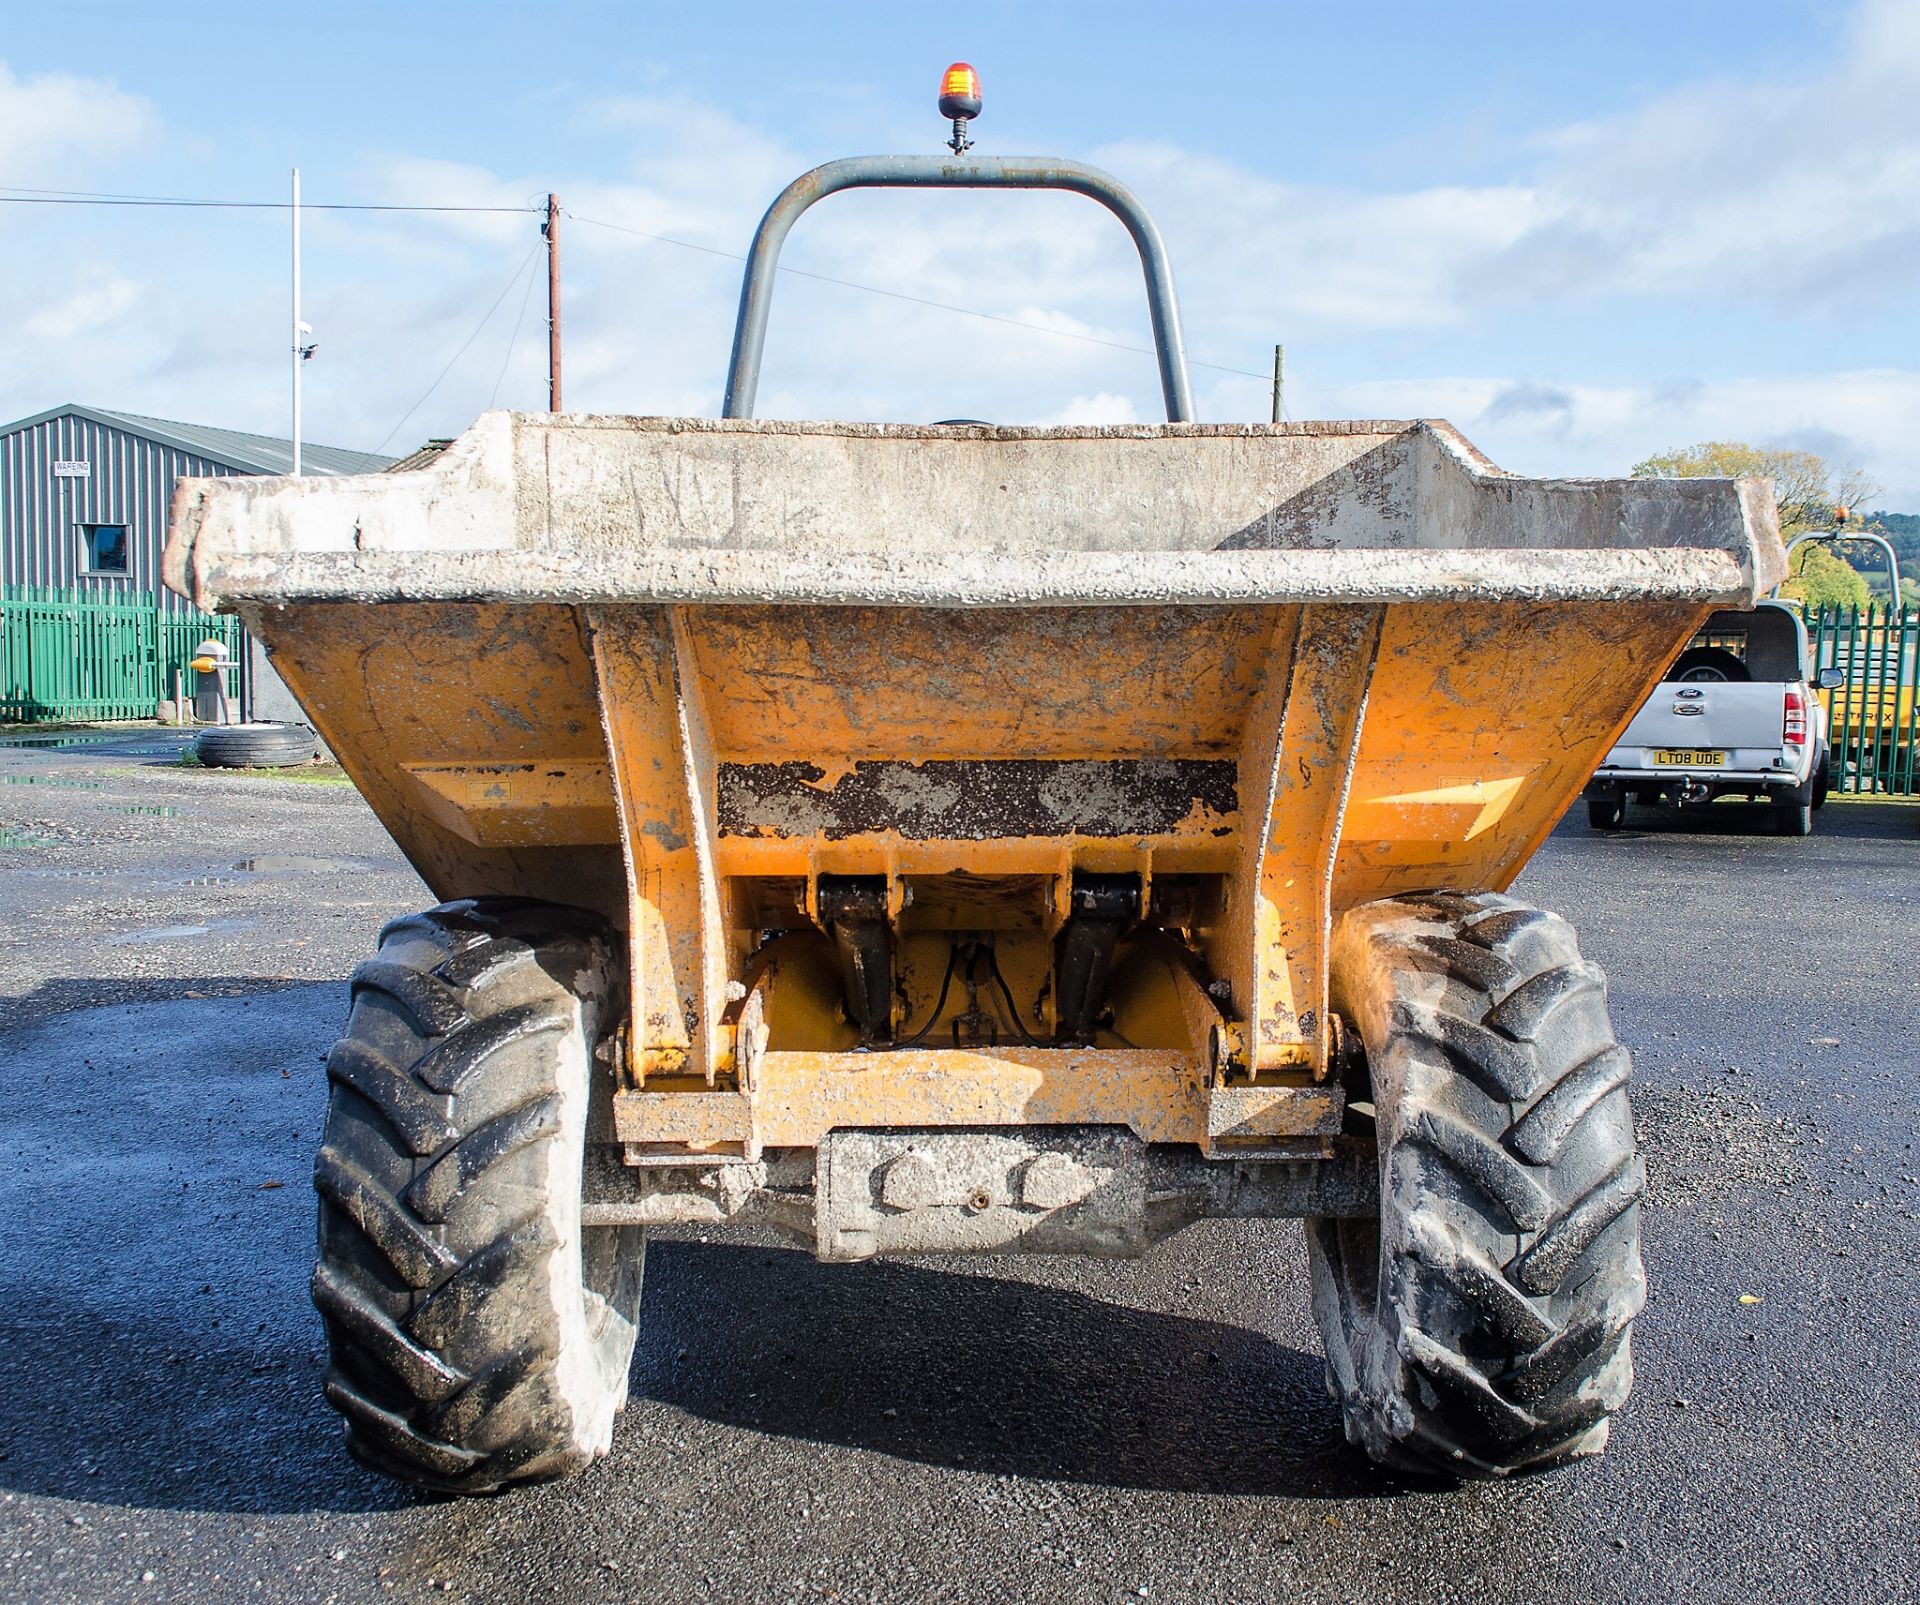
{"points": [[1893, 562], [944, 172]]}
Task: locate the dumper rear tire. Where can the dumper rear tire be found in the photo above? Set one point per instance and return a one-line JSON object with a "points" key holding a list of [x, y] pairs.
{"points": [[479, 1335], [1480, 1326]]}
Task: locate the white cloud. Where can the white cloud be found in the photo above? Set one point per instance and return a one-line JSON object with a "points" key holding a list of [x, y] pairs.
{"points": [[1102, 408], [426, 181], [1779, 191], [1261, 254], [1867, 419], [59, 117], [1720, 193], [91, 306], [1789, 193]]}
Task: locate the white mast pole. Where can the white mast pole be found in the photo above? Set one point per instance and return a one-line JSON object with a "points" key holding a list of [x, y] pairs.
{"points": [[296, 320]]}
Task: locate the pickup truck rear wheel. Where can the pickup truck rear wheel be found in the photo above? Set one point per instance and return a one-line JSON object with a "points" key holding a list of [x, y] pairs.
{"points": [[478, 1335], [1792, 818], [1480, 1326], [1606, 813]]}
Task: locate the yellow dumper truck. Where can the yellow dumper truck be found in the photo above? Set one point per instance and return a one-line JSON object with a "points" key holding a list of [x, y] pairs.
{"points": [[963, 838]]}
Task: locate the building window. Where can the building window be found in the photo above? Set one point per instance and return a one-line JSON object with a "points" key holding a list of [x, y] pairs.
{"points": [[104, 547]]}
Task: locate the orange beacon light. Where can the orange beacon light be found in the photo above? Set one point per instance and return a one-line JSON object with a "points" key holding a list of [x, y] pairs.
{"points": [[960, 101]]}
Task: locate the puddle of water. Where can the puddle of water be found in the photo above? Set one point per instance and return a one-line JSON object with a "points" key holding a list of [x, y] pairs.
{"points": [[69, 740], [72, 874], [176, 933], [205, 880], [288, 864], [11, 838], [50, 780], [161, 933], [154, 810]]}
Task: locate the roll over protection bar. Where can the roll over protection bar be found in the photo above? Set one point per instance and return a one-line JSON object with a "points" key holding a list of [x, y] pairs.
{"points": [[944, 172]]}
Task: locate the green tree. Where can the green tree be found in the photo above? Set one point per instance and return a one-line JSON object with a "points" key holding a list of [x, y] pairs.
{"points": [[1822, 580], [1805, 485], [1902, 531]]}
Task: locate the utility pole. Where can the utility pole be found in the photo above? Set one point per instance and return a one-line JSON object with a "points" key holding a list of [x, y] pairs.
{"points": [[1279, 378], [295, 331], [551, 228]]}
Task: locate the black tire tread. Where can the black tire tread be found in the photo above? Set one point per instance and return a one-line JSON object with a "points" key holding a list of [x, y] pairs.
{"points": [[254, 746], [1606, 814], [1482, 1329], [433, 1274]]}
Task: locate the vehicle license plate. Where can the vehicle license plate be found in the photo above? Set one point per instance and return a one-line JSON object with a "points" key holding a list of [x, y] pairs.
{"points": [[1688, 757]]}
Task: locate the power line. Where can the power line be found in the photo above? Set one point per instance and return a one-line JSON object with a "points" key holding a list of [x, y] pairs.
{"points": [[917, 300], [20, 195], [484, 321], [512, 340]]}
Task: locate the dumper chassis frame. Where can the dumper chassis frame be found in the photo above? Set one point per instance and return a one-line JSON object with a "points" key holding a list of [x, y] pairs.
{"points": [[991, 839]]}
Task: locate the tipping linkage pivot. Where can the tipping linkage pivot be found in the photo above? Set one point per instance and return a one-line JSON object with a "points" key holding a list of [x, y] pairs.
{"points": [[1102, 908], [854, 910]]}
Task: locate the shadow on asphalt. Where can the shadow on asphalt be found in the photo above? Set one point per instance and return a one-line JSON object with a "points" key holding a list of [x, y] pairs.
{"points": [[66, 994], [158, 1415], [964, 1371], [1859, 821], [157, 1348], [987, 1375]]}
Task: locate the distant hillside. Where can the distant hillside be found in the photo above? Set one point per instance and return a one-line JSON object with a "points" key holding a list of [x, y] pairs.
{"points": [[1902, 531]]}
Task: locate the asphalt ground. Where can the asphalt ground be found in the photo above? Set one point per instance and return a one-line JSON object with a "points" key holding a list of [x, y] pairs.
{"points": [[171, 962]]}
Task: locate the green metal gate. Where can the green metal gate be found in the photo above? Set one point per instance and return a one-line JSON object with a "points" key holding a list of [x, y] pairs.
{"points": [[70, 654], [1872, 719]]}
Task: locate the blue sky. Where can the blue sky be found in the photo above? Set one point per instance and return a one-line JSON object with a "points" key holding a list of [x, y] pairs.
{"points": [[1584, 234]]}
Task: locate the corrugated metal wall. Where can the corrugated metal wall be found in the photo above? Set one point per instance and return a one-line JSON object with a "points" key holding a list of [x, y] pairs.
{"points": [[130, 482]]}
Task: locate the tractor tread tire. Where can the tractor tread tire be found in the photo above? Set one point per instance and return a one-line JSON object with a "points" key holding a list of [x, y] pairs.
{"points": [[254, 746], [479, 1335], [1480, 1325]]}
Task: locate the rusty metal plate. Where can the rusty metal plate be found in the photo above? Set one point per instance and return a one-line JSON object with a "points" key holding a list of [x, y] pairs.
{"points": [[980, 799]]}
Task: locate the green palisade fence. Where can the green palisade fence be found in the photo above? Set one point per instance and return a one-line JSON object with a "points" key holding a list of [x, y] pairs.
{"points": [[72, 654], [1872, 718]]}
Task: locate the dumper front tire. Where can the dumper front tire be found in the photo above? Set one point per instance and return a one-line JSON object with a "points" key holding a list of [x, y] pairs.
{"points": [[1480, 1325], [479, 1335]]}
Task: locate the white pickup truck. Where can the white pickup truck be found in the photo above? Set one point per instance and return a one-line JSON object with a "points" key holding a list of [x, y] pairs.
{"points": [[1736, 715]]}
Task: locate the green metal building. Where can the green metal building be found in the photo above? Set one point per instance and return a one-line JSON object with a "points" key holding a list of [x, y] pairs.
{"points": [[87, 630]]}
